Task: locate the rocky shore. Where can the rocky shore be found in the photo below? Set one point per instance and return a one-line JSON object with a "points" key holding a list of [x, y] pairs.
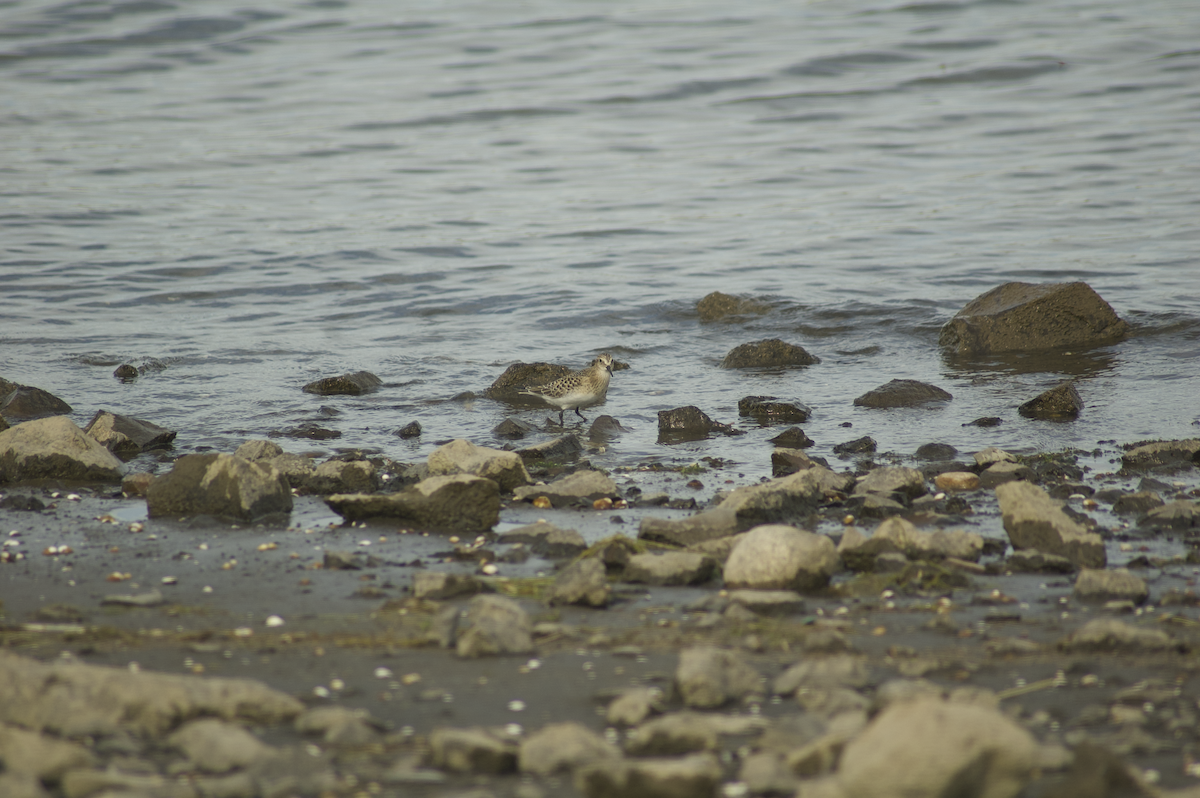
{"points": [[510, 621]]}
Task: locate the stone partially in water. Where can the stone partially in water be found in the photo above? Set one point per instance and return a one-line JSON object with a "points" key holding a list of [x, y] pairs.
{"points": [[462, 502], [718, 307], [688, 423], [772, 353], [460, 456], [1035, 521], [792, 438], [1162, 453], [22, 402], [54, 448], [127, 437], [768, 410], [1061, 403], [903, 393], [351, 384], [519, 376], [1025, 317]]}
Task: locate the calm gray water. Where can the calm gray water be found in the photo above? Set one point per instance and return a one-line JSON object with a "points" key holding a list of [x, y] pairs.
{"points": [[260, 195]]}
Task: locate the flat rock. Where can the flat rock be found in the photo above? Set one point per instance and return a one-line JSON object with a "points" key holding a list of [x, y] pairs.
{"points": [[54, 448], [221, 485], [1003, 472], [1138, 502], [719, 307], [768, 354], [340, 476], [1061, 403], [581, 486], [1035, 521], [903, 393], [546, 539], [1024, 317], [708, 677], [860, 552], [767, 410], [462, 502], [812, 673], [779, 499], [689, 423], [472, 750], [1178, 514], [438, 586], [908, 482], [24, 402], [770, 603], [1098, 586], [410, 430], [73, 700], [864, 445], [792, 438], [506, 469], [1109, 634], [933, 747], [215, 746], [669, 568], [351, 384], [779, 557], [493, 625], [956, 481], [708, 525], [692, 776], [582, 582], [127, 437], [563, 747], [560, 448], [1034, 561], [1162, 453], [790, 461]]}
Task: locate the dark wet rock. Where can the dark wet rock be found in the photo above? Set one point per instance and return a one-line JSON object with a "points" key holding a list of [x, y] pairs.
{"points": [[767, 410], [792, 438], [519, 376], [887, 480], [1034, 561], [669, 568], [692, 776], [126, 372], [546, 540], [582, 582], [213, 746], [350, 384], [932, 747], [708, 677], [616, 552], [779, 499], [54, 448], [439, 586], [1035, 521], [258, 450], [75, 701], [717, 306], [790, 461], [633, 705], [1025, 317], [1065, 490], [559, 448], [306, 431], [688, 424], [1162, 453], [563, 747], [1004, 472], [462, 502], [605, 427], [1109, 634], [219, 485], [1059, 403], [1180, 515], [863, 445], [769, 603], [492, 625], [338, 476], [460, 456], [1140, 502], [903, 393], [708, 525], [23, 402], [936, 451], [23, 503], [1098, 586], [127, 437], [512, 429], [985, 422], [769, 354], [581, 486], [779, 557], [410, 430], [476, 751]]}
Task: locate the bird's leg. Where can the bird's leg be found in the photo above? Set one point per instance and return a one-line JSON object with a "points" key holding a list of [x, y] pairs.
{"points": [[561, 423], [580, 414]]}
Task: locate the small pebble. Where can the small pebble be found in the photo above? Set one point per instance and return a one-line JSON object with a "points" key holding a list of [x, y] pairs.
{"points": [[516, 706], [383, 673], [274, 620]]}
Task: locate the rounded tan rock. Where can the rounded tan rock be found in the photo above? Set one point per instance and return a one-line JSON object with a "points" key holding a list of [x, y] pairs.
{"points": [[957, 481]]}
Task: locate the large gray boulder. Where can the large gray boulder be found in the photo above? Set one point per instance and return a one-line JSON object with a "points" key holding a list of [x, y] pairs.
{"points": [[780, 499], [460, 456], [932, 747], [778, 557], [221, 485], [708, 677], [1035, 521], [1023, 317], [54, 448], [127, 437], [462, 502]]}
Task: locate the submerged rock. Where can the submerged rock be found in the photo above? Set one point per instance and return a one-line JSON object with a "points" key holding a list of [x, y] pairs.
{"points": [[562, 447], [221, 485], [1035, 521], [1023, 317], [903, 393], [460, 456], [1178, 514], [768, 410], [350, 384], [410, 430], [688, 423], [863, 445], [54, 448], [1059, 403], [512, 429], [462, 502], [717, 307], [769, 354]]}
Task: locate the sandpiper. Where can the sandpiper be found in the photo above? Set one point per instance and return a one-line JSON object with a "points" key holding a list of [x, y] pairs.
{"points": [[578, 389]]}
